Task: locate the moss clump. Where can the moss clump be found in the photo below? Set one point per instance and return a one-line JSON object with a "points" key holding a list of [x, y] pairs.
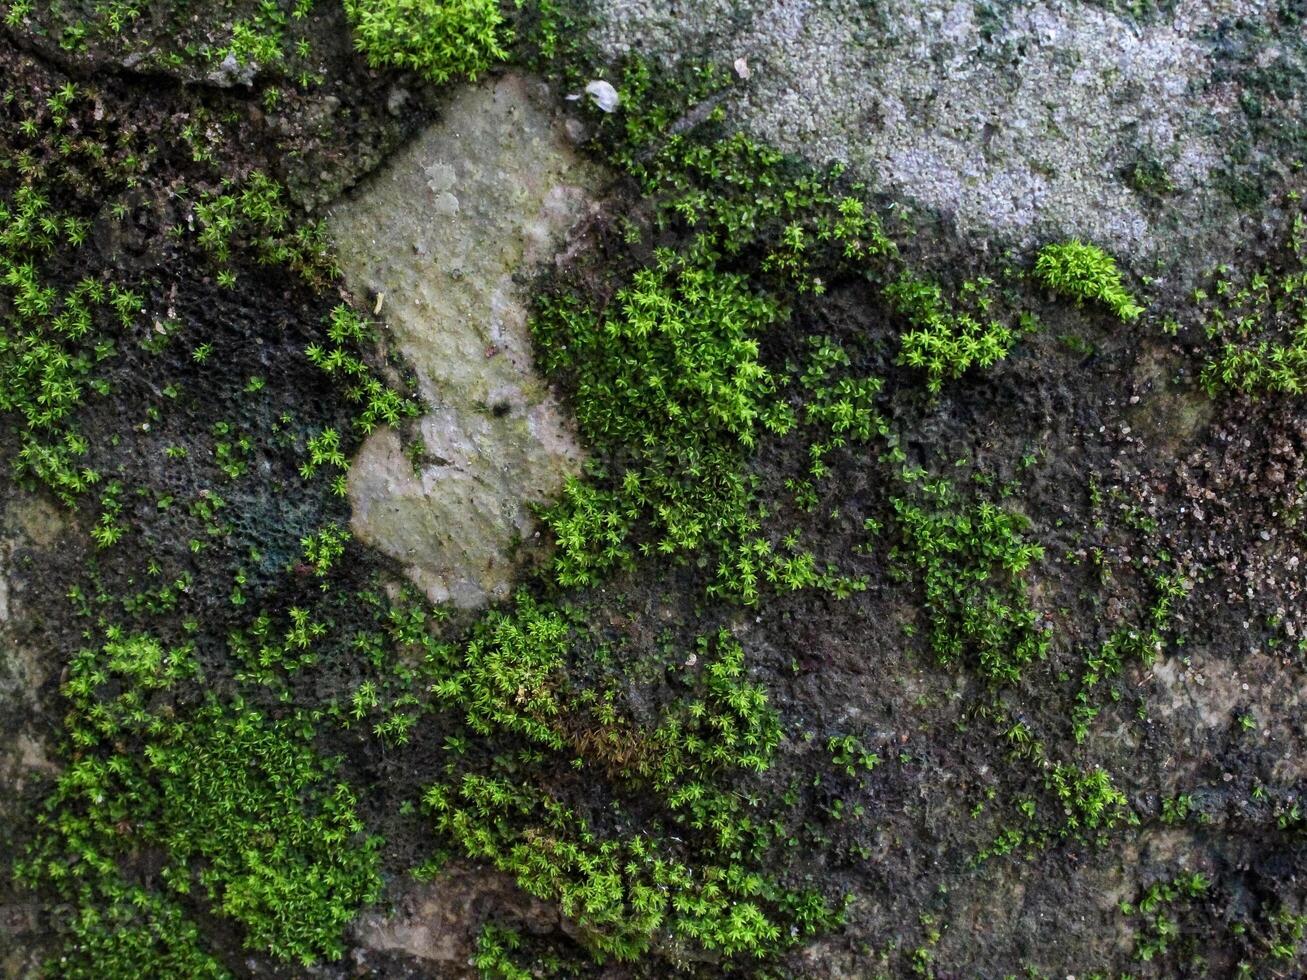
{"points": [[438, 39], [1090, 801], [700, 886], [1261, 327], [120, 932], [254, 214], [52, 340], [512, 678], [240, 807], [272, 842], [494, 956], [950, 336], [971, 560], [1085, 272], [342, 359], [1158, 910], [622, 891], [510, 672], [670, 388]]}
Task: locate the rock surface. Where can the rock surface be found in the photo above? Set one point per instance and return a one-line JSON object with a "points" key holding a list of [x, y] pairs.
{"points": [[433, 922], [1025, 120], [30, 527], [444, 237]]}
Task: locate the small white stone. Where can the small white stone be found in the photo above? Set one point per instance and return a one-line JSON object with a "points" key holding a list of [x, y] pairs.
{"points": [[603, 95]]}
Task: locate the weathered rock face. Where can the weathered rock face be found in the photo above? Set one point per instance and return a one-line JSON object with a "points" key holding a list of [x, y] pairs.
{"points": [[30, 527], [434, 922], [1029, 120], [445, 235]]}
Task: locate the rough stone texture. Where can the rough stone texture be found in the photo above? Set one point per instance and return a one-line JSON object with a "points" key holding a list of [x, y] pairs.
{"points": [[445, 235], [29, 525], [436, 922], [1018, 119], [324, 137]]}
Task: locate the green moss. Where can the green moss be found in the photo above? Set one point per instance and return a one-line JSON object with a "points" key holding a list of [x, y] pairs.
{"points": [[669, 387], [729, 194], [849, 754], [243, 809], [1090, 801], [52, 341], [121, 932], [950, 336], [971, 561], [258, 39], [438, 39], [1085, 272], [494, 954], [1260, 327], [253, 214], [731, 726], [622, 892], [511, 678], [510, 672], [1157, 910], [324, 548], [625, 888], [637, 810], [342, 359], [1148, 176], [1141, 643]]}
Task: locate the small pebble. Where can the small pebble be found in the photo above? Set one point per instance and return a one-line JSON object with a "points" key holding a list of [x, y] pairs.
{"points": [[603, 95]]}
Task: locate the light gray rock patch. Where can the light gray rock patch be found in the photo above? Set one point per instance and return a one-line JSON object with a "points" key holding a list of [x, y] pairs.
{"points": [[447, 233], [1015, 118]]}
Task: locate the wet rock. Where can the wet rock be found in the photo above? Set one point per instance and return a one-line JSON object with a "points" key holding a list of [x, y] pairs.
{"points": [[575, 130], [396, 100], [29, 525], [447, 232], [438, 921]]}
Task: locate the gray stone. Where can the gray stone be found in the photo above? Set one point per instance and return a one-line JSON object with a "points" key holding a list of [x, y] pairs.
{"points": [[1017, 119], [437, 921], [446, 233], [231, 72]]}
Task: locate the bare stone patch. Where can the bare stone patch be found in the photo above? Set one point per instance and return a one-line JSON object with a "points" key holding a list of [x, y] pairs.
{"points": [[437, 922], [1023, 120], [29, 525], [444, 236], [29, 522]]}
